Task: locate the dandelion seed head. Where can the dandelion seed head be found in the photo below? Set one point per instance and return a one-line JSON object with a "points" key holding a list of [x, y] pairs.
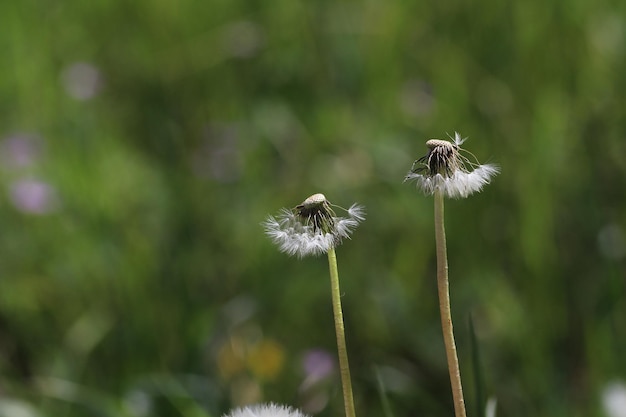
{"points": [[265, 410], [445, 167], [316, 210], [312, 227], [314, 201], [434, 143]]}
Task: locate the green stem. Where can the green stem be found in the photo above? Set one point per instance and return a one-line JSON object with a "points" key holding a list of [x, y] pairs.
{"points": [[344, 368], [444, 308]]}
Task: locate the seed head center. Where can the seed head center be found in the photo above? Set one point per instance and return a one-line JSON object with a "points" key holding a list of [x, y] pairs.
{"points": [[317, 212]]}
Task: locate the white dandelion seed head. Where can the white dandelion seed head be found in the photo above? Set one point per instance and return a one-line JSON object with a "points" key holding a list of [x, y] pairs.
{"points": [[445, 168], [265, 410], [312, 228]]}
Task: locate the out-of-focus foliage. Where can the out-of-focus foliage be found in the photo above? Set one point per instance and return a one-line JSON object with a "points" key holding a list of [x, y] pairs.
{"points": [[143, 142]]}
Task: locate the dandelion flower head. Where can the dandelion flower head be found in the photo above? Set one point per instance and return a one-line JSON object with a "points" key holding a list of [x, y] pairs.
{"points": [[312, 228], [446, 168], [265, 410]]}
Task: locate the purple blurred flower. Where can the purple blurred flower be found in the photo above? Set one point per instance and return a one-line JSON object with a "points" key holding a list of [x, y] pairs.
{"points": [[20, 150], [33, 196], [317, 364], [81, 80]]}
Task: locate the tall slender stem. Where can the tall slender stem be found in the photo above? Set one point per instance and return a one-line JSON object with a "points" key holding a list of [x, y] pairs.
{"points": [[344, 368], [444, 308]]}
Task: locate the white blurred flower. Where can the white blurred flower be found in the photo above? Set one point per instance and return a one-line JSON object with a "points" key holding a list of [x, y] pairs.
{"points": [[311, 228], [612, 242], [265, 410], [490, 408], [82, 80], [614, 399], [446, 169], [17, 408]]}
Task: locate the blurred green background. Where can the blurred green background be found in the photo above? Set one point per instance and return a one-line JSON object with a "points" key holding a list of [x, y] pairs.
{"points": [[142, 144]]}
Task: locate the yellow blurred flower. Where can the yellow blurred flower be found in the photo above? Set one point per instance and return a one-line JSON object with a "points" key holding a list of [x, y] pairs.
{"points": [[263, 359], [266, 359]]}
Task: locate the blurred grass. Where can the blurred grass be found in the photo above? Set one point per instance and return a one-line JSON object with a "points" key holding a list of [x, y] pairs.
{"points": [[142, 144]]}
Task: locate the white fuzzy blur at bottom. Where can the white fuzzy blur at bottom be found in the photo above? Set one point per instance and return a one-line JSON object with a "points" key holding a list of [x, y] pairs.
{"points": [[614, 399], [460, 185], [265, 410]]}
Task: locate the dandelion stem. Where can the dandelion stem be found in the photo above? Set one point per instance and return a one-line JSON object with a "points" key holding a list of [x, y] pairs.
{"points": [[444, 307], [341, 337]]}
